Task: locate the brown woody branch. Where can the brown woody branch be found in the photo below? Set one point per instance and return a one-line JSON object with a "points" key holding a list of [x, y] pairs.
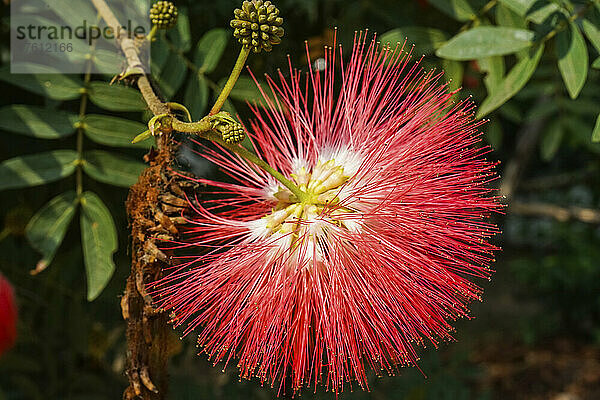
{"points": [[134, 63], [528, 138], [562, 214], [151, 215], [558, 180]]}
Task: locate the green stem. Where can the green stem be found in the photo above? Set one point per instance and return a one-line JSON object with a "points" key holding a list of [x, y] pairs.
{"points": [[564, 25], [199, 128], [233, 77], [190, 65], [152, 33], [253, 158], [484, 10], [204, 129]]}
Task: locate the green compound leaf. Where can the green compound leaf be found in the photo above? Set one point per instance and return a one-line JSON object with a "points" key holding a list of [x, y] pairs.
{"points": [[210, 49], [512, 83], [534, 10], [592, 32], [105, 60], [596, 132], [112, 169], [245, 89], [47, 228], [494, 134], [42, 80], [37, 121], [596, 63], [113, 131], [485, 41], [426, 40], [173, 75], [116, 97], [73, 16], [494, 68], [507, 17], [453, 73], [99, 241], [160, 53], [196, 95], [550, 143], [180, 35], [37, 169], [572, 54], [457, 9]]}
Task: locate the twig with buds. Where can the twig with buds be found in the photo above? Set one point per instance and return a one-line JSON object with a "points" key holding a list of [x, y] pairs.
{"points": [[257, 27]]}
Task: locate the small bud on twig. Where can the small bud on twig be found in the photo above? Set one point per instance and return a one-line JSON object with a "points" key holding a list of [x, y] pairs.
{"points": [[233, 133]]}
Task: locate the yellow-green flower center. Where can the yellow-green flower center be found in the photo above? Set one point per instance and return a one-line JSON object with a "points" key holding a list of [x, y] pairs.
{"points": [[322, 187]]}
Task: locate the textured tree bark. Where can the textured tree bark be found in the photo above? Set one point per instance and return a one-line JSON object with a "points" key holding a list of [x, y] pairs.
{"points": [[155, 205], [146, 327]]}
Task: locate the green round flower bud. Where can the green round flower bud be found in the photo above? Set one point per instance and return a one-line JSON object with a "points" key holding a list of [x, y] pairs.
{"points": [[163, 14], [257, 25], [233, 133]]}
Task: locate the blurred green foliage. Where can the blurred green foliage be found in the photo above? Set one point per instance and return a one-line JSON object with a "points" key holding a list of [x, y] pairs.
{"points": [[531, 65]]}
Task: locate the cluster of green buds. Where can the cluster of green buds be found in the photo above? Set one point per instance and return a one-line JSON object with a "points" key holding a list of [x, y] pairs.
{"points": [[163, 14], [257, 25], [231, 131]]}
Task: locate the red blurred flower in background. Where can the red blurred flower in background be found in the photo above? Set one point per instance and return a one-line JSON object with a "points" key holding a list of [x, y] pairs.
{"points": [[423, 3], [8, 315], [373, 259]]}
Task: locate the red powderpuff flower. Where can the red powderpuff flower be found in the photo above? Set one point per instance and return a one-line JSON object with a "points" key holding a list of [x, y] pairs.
{"points": [[8, 316], [371, 260]]}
